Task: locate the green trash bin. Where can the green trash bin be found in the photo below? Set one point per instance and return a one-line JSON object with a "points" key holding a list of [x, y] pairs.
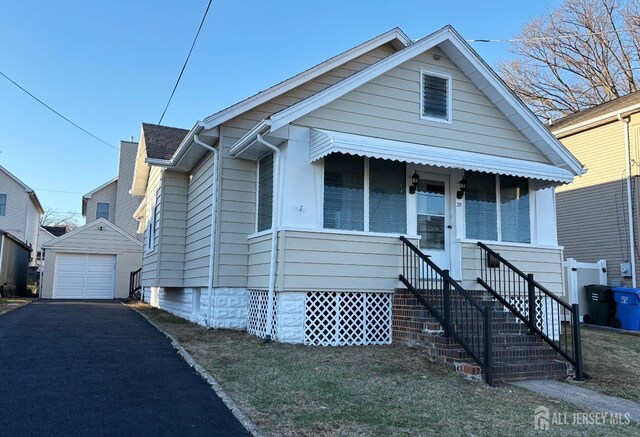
{"points": [[600, 305]]}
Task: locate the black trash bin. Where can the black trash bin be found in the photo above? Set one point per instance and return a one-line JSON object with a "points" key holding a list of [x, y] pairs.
{"points": [[600, 305]]}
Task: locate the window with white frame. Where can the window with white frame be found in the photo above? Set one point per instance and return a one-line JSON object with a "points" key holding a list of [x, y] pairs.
{"points": [[3, 204], [364, 194], [497, 208], [435, 98], [265, 193], [102, 211]]}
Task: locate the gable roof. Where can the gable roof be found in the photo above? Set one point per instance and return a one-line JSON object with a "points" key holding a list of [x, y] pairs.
{"points": [[467, 60], [101, 222], [161, 142], [29, 191], [92, 192], [596, 115], [396, 37], [55, 231]]}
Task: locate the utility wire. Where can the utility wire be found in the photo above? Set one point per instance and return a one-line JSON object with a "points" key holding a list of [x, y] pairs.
{"points": [[58, 191], [542, 38], [56, 112], [185, 61]]}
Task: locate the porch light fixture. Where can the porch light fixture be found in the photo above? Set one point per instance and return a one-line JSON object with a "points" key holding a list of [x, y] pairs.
{"points": [[462, 187], [415, 180]]}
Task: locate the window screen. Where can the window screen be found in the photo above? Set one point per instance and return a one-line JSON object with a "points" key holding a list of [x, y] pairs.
{"points": [[481, 212], [344, 192], [387, 197], [514, 209], [265, 192]]}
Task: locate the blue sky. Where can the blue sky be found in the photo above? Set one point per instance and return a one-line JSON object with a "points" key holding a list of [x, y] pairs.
{"points": [[109, 66]]}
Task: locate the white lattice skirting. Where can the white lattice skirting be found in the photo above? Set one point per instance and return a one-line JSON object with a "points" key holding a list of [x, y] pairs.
{"points": [[347, 319], [257, 316], [544, 306]]}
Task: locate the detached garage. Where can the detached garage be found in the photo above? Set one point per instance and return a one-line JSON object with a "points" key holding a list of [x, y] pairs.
{"points": [[91, 262]]}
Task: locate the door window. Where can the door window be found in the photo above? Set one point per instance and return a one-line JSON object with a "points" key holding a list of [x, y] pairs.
{"points": [[431, 214]]}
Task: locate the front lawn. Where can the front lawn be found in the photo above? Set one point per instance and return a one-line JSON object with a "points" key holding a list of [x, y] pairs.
{"points": [[612, 361], [295, 390]]}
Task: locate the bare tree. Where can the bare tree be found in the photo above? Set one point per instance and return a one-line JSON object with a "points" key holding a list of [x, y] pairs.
{"points": [[53, 217], [583, 53]]}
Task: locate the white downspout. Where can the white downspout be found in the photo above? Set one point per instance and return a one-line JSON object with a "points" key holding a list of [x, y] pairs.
{"points": [[275, 226], [632, 240], [214, 221]]}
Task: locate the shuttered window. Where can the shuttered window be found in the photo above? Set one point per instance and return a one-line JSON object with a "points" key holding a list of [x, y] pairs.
{"points": [[436, 98], [344, 192], [497, 208], [387, 196], [265, 192], [3, 204]]}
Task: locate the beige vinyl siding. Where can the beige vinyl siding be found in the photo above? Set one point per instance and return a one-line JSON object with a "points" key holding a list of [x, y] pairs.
{"points": [[238, 177], [327, 261], [106, 195], [544, 263], [172, 228], [389, 107], [150, 259], [259, 261], [198, 229]]}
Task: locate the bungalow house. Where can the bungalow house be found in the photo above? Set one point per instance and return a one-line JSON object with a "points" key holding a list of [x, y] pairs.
{"points": [[20, 211], [598, 213], [379, 196], [95, 261]]}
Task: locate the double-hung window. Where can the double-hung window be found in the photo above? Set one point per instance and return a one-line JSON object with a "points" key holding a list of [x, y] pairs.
{"points": [[497, 208], [102, 211], [3, 204], [364, 194], [435, 101], [153, 224]]}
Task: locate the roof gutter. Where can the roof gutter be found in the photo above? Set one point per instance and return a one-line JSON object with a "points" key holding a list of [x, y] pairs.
{"points": [[596, 121], [251, 138]]}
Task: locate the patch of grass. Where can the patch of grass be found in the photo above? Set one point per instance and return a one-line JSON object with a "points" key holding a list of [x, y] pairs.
{"points": [[7, 303], [612, 360], [295, 390]]}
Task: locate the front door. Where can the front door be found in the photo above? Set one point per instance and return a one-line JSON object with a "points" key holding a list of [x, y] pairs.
{"points": [[433, 217]]}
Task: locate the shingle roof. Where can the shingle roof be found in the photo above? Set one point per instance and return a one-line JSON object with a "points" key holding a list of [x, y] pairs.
{"points": [[596, 111], [162, 141]]}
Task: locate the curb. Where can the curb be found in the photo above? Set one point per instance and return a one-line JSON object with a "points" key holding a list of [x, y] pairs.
{"points": [[215, 385], [8, 310]]}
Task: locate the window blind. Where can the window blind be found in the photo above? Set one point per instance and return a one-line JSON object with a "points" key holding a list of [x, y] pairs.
{"points": [[344, 192], [434, 96], [387, 197], [265, 192]]}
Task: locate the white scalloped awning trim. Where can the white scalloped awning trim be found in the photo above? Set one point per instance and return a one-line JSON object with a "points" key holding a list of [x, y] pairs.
{"points": [[324, 142]]}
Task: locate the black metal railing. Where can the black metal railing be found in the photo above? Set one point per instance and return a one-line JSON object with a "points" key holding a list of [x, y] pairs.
{"points": [[462, 317], [134, 282], [546, 315]]}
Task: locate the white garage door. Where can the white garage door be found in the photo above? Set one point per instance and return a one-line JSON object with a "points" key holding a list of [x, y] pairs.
{"points": [[81, 276]]}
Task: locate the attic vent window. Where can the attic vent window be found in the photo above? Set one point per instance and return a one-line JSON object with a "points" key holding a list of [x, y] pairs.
{"points": [[435, 104]]}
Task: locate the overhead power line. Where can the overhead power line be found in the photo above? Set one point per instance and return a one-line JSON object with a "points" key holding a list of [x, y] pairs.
{"points": [[56, 112], [186, 61], [543, 38]]}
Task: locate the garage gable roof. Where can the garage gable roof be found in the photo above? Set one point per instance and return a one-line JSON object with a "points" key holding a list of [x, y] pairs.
{"points": [[100, 222]]}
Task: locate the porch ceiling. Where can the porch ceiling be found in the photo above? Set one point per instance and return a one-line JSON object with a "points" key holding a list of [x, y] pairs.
{"points": [[324, 142]]}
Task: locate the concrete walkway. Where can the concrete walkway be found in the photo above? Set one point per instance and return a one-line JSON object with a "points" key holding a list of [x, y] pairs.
{"points": [[583, 397], [97, 368]]}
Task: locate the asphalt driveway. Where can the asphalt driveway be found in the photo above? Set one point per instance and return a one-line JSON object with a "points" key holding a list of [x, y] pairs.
{"points": [[80, 368]]}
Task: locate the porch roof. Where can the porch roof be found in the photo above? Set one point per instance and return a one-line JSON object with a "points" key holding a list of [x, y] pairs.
{"points": [[324, 142]]}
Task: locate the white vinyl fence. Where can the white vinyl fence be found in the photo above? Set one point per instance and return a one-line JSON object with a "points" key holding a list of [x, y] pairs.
{"points": [[577, 275]]}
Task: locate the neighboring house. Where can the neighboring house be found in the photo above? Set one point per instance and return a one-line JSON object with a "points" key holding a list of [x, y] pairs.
{"points": [[593, 212], [95, 260], [20, 211], [44, 236], [283, 214], [14, 265]]}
